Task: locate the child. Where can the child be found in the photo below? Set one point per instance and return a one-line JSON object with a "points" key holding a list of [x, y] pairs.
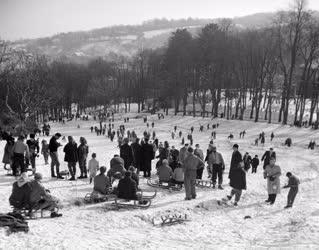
{"points": [[93, 167], [293, 184], [254, 164], [164, 172], [238, 183], [45, 151]]}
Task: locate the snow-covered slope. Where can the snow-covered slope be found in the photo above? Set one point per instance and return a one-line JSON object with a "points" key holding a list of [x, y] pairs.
{"points": [[210, 226]]}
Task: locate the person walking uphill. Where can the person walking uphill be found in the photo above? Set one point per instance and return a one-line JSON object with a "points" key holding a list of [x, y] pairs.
{"points": [[83, 151], [238, 182], [71, 156], [272, 173], [53, 147], [191, 164], [293, 184], [235, 160]]}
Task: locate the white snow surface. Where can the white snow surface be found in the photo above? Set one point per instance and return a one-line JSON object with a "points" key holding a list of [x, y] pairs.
{"points": [[210, 227]]}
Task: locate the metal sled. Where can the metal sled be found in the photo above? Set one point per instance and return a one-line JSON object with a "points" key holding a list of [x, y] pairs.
{"points": [[141, 203], [164, 185]]}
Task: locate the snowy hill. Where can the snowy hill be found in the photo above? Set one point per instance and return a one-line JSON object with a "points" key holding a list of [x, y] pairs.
{"points": [[210, 226]]}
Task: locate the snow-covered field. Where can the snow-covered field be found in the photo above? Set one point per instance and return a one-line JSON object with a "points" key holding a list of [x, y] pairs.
{"points": [[210, 226]]}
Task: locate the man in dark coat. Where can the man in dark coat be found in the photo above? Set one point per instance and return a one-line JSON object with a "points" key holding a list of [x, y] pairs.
{"points": [[126, 153], [267, 155], [71, 156], [34, 150], [238, 182], [137, 155], [235, 160], [254, 164], [127, 187], [147, 157]]}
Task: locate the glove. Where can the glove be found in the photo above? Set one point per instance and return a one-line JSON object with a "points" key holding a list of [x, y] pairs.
{"points": [[272, 178]]}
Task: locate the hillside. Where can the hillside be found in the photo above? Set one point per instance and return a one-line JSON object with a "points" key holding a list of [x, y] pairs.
{"points": [[126, 40]]}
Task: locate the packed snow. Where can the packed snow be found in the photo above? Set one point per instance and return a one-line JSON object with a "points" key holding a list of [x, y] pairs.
{"points": [[210, 226]]}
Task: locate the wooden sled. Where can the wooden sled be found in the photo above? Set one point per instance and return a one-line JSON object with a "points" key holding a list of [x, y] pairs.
{"points": [[164, 185], [141, 203], [96, 197], [170, 220], [34, 213], [204, 183]]}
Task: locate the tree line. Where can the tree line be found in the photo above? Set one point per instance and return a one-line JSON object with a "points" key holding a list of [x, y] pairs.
{"points": [[242, 71]]}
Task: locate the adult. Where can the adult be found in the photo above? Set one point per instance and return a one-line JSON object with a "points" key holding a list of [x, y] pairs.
{"points": [[272, 173], [216, 162], [8, 152], [127, 187], [71, 156], [267, 155], [116, 166], [164, 152], [40, 198], [126, 153], [83, 151], [191, 164], [199, 153], [53, 147], [20, 152], [247, 161], [147, 157], [235, 160], [238, 182], [34, 150], [293, 184], [254, 164], [102, 182], [20, 196], [137, 155]]}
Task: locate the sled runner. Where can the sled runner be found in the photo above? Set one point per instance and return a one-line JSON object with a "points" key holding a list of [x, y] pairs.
{"points": [[164, 185], [96, 197], [169, 220], [204, 183], [32, 213]]}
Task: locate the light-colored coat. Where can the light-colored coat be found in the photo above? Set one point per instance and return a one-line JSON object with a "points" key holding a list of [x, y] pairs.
{"points": [[273, 187]]}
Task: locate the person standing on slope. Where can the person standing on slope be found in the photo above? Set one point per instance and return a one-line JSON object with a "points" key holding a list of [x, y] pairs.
{"points": [[53, 147], [199, 153], [272, 173], [293, 184], [267, 155], [71, 156], [235, 160], [215, 162], [190, 166], [83, 151]]}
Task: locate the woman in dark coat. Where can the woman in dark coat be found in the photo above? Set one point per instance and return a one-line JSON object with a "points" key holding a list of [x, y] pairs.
{"points": [[147, 157], [238, 182], [71, 156]]}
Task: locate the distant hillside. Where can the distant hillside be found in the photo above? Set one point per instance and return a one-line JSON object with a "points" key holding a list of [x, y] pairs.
{"points": [[125, 40]]}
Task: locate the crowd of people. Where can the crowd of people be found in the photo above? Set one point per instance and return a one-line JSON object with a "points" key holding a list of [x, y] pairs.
{"points": [[174, 167]]}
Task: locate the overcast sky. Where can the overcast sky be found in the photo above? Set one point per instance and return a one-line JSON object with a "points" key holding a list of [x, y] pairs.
{"points": [[39, 18]]}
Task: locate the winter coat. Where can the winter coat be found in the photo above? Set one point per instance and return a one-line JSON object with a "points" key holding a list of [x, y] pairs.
{"points": [[178, 174], [93, 167], [174, 154], [135, 178], [238, 180], [174, 164], [273, 186], [235, 160], [33, 146], [53, 145], [127, 189], [147, 157], [101, 184], [20, 196], [293, 183], [137, 155], [215, 158], [182, 154], [8, 153], [199, 153], [71, 152], [164, 173], [163, 154], [192, 162], [255, 162], [83, 151], [116, 165], [266, 157], [247, 161], [126, 154], [37, 192]]}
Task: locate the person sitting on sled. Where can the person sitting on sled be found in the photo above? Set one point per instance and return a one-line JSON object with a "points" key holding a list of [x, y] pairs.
{"points": [[101, 182], [178, 175], [127, 188], [164, 172], [40, 198], [20, 196]]}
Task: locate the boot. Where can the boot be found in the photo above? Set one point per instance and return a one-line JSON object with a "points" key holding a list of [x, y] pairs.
{"points": [[228, 197], [220, 187], [60, 177], [55, 214], [72, 178]]}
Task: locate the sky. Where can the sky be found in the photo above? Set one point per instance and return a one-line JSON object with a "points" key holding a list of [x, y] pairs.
{"points": [[40, 18]]}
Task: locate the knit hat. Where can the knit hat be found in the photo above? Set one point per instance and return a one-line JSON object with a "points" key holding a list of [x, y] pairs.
{"points": [[38, 176], [235, 146]]}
